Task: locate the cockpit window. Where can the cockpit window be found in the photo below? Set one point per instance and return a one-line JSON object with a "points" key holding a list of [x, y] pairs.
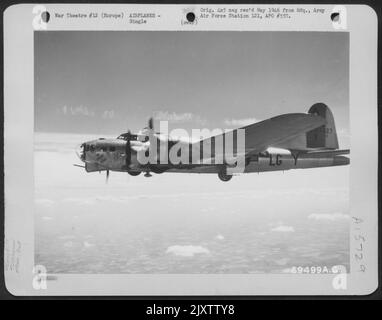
{"points": [[264, 154], [102, 148], [92, 148], [133, 137]]}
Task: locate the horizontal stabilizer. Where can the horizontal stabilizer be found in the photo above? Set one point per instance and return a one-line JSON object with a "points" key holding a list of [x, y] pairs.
{"points": [[328, 154]]}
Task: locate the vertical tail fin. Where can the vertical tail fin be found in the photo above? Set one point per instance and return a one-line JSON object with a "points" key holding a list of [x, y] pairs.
{"points": [[326, 135]]}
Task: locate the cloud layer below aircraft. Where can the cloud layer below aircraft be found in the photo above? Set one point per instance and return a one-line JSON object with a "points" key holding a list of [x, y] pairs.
{"points": [[329, 216], [187, 251], [283, 229]]}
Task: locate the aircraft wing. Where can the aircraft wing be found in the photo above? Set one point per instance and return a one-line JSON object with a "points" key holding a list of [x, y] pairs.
{"points": [[262, 135], [274, 131]]}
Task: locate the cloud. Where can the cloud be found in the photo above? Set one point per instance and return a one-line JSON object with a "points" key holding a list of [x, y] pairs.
{"points": [[343, 133], [80, 201], [282, 262], [329, 216], [67, 237], [187, 251], [88, 244], [99, 199], [86, 112], [178, 117], [283, 229], [112, 198], [288, 270], [80, 110], [108, 114], [69, 244], [219, 237], [44, 202], [240, 122]]}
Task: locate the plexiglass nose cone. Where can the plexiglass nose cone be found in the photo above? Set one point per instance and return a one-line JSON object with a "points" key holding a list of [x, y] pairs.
{"points": [[80, 151]]}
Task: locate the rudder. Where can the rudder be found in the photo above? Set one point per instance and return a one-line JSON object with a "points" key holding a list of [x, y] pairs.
{"points": [[326, 135]]}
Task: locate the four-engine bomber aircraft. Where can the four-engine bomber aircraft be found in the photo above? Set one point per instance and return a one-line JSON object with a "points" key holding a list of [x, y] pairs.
{"points": [[302, 141]]}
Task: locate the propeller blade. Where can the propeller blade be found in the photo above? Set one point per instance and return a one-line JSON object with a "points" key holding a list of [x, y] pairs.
{"points": [[107, 175], [128, 150], [151, 123], [80, 151]]}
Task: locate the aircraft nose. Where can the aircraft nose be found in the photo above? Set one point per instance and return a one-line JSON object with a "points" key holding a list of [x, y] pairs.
{"points": [[80, 151]]}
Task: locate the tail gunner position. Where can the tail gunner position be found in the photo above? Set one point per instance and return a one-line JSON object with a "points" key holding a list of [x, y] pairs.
{"points": [[288, 141]]}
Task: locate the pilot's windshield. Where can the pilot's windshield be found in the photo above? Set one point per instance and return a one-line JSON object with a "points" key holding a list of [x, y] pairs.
{"points": [[124, 136]]}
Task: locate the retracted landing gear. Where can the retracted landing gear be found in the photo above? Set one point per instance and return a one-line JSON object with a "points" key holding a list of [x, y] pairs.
{"points": [[148, 174], [223, 176], [134, 173]]}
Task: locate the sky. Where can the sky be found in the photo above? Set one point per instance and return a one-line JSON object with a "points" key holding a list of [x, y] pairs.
{"points": [[106, 82], [92, 84]]}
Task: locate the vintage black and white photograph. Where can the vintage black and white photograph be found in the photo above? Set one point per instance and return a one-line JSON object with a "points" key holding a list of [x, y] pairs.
{"points": [[190, 150], [102, 98]]}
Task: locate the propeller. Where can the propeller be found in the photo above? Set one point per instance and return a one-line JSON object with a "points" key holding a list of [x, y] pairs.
{"points": [[107, 175], [128, 149], [80, 151], [151, 123]]}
